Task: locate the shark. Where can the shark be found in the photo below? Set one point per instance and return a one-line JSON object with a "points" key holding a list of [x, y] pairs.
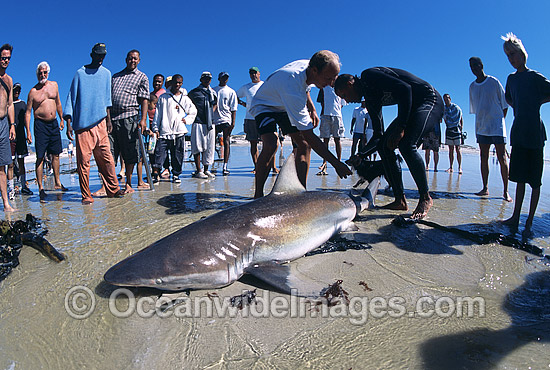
{"points": [[259, 238]]}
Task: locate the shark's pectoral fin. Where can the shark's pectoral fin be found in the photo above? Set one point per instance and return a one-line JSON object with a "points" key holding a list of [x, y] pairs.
{"points": [[288, 279]]}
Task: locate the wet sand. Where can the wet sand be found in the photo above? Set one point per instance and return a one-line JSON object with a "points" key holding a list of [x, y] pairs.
{"points": [[412, 262]]}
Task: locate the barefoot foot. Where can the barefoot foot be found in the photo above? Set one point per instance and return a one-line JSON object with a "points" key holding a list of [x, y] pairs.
{"points": [[507, 197], [397, 205], [422, 208], [128, 190]]}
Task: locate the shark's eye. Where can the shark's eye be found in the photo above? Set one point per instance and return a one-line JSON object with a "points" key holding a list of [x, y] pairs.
{"points": [[159, 281]]}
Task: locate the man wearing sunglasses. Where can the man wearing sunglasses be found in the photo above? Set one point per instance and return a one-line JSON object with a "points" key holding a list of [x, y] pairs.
{"points": [[7, 119]]}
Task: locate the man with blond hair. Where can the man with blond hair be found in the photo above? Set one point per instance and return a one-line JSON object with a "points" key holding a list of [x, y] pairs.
{"points": [[284, 100], [44, 100]]}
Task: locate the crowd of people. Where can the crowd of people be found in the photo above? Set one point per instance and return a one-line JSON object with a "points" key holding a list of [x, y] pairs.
{"points": [[107, 116]]}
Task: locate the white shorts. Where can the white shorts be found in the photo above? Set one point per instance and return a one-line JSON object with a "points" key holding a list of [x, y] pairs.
{"points": [[331, 126], [203, 141]]}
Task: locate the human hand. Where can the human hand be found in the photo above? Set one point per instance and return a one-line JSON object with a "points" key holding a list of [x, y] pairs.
{"points": [[342, 170], [395, 137]]}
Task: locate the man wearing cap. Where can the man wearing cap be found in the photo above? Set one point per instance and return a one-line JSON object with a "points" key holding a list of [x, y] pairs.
{"points": [[247, 92], [224, 116], [7, 129], [44, 100], [21, 133], [284, 100], [203, 134], [87, 112], [130, 96]]}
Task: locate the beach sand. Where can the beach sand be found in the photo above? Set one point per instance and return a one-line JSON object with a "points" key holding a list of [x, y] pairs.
{"points": [[408, 263]]}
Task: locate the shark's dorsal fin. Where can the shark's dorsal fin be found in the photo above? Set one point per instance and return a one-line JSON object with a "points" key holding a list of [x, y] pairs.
{"points": [[287, 181]]}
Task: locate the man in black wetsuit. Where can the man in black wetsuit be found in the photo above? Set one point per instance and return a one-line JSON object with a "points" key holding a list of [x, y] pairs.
{"points": [[420, 107]]}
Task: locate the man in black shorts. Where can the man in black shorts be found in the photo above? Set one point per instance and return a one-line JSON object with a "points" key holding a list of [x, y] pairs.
{"points": [[20, 150], [44, 100], [420, 107]]}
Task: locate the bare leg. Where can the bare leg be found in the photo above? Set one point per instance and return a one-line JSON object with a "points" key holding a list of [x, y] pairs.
{"points": [[436, 160], [141, 184], [39, 167], [354, 146], [451, 158], [129, 171], [427, 158], [484, 156], [535, 196], [459, 159], [303, 156], [501, 155], [4, 190], [338, 146], [323, 166], [254, 153], [57, 180], [267, 154], [513, 221]]}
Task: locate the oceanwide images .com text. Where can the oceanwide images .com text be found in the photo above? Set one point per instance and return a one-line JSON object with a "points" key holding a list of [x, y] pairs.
{"points": [[80, 303]]}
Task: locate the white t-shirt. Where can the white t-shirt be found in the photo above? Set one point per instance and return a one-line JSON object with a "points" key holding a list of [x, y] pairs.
{"points": [[487, 102], [227, 103], [360, 114], [332, 102], [285, 91], [248, 91]]}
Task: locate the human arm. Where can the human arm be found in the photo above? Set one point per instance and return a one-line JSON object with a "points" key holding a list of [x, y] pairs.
{"points": [[59, 109], [311, 109], [320, 148], [352, 124], [143, 103], [70, 135], [28, 117], [108, 122]]}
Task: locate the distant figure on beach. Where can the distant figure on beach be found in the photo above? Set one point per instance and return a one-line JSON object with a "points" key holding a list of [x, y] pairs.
{"points": [[361, 129], [174, 111], [331, 123], [44, 101], [225, 115], [158, 90], [130, 95], [419, 109], [488, 103], [7, 129], [247, 92], [87, 113], [203, 134], [431, 142], [22, 132], [453, 132], [284, 100], [526, 91]]}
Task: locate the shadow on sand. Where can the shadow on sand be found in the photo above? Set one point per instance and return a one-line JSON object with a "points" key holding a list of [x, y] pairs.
{"points": [[529, 309]]}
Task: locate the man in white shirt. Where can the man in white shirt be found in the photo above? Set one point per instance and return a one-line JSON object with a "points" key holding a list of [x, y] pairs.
{"points": [[331, 121], [224, 116], [284, 101], [361, 128], [488, 103]]}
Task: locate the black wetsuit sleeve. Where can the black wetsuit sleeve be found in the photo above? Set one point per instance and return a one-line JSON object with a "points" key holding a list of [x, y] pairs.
{"points": [[391, 90]]}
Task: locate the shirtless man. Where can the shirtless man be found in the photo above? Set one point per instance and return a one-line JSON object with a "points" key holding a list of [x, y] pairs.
{"points": [[44, 100], [7, 129]]}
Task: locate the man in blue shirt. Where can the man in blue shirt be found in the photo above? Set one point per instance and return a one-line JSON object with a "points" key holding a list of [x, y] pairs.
{"points": [[87, 108]]}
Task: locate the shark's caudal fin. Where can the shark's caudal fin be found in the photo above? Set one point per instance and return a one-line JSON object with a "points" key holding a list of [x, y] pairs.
{"points": [[288, 279], [287, 181]]}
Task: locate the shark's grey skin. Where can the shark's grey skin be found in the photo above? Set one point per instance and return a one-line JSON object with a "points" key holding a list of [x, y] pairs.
{"points": [[218, 250]]}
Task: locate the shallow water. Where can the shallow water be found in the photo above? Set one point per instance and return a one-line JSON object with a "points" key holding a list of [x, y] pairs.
{"points": [[410, 263]]}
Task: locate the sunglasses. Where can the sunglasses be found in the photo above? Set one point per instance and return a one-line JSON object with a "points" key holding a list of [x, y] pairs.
{"points": [[5, 58]]}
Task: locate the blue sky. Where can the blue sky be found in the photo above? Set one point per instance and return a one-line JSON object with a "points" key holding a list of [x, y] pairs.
{"points": [[430, 39]]}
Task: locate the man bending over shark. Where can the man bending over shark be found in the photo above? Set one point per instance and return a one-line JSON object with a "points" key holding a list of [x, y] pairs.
{"points": [[284, 100]]}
